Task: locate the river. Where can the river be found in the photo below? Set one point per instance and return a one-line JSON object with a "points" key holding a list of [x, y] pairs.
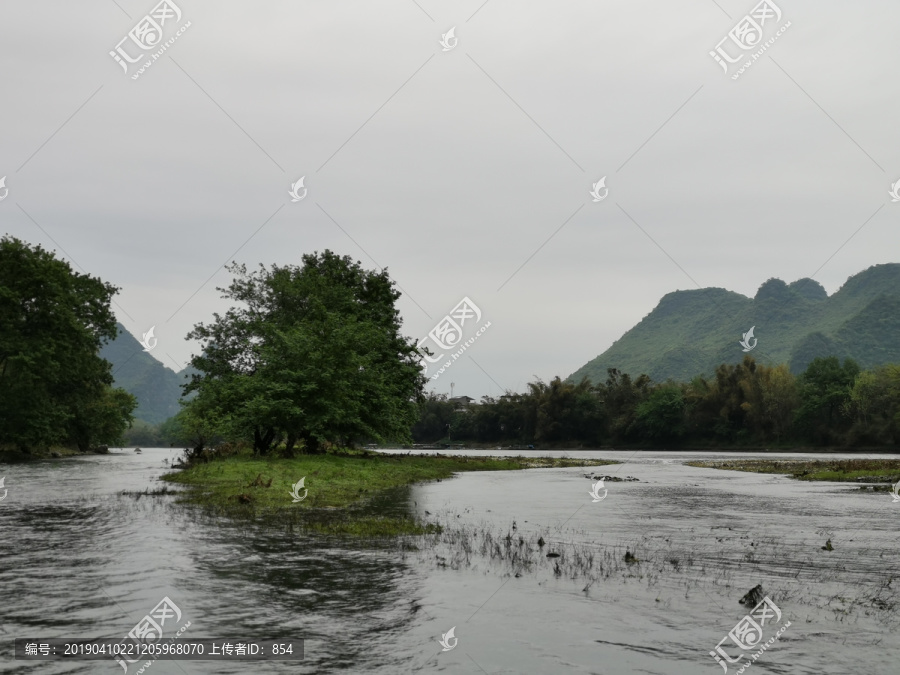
{"points": [[78, 559]]}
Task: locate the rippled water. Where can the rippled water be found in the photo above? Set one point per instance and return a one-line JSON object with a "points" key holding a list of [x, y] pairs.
{"points": [[77, 559]]}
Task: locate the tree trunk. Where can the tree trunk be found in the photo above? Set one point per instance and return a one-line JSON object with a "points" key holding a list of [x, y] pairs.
{"points": [[263, 442], [289, 445], [312, 445]]}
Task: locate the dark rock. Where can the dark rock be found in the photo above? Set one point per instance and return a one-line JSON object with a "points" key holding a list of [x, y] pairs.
{"points": [[100, 450], [55, 454], [552, 555], [828, 546], [753, 597]]}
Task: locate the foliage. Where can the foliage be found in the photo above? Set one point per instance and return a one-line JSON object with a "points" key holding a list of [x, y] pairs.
{"points": [[744, 404], [874, 406], [144, 434], [313, 354], [54, 388], [825, 388], [661, 416]]}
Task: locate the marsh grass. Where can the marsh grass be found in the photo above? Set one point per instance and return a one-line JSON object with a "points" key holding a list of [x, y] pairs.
{"points": [[852, 470], [788, 573], [340, 487], [158, 492]]}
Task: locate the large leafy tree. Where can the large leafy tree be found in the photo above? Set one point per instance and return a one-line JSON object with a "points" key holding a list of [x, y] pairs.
{"points": [[54, 388], [621, 396], [312, 353], [565, 412], [825, 391], [660, 417], [874, 405]]}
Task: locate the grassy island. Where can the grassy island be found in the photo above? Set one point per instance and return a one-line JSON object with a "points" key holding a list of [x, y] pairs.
{"points": [[338, 488], [885, 471]]}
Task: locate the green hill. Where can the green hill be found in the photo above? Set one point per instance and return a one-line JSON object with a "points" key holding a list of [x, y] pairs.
{"points": [[690, 332], [156, 387]]}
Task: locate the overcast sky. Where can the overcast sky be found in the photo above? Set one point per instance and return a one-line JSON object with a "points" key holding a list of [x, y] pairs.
{"points": [[465, 172]]}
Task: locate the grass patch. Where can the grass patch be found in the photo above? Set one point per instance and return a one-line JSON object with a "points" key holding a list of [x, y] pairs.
{"points": [[845, 470], [338, 486]]}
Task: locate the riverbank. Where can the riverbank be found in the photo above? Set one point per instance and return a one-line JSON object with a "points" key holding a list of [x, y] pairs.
{"points": [[886, 471], [9, 455], [654, 447], [333, 490]]}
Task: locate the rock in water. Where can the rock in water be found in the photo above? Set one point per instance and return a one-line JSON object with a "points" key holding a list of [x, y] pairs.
{"points": [[753, 597]]}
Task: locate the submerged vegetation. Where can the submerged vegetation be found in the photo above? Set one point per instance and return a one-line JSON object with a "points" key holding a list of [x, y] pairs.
{"points": [[667, 566]]}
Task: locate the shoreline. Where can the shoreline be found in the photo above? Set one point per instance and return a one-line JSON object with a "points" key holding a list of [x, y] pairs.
{"points": [[865, 470]]}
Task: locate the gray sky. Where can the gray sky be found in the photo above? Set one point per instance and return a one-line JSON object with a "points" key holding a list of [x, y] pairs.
{"points": [[453, 168]]}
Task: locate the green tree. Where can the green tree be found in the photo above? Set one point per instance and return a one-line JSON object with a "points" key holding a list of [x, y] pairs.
{"points": [[824, 389], [621, 396], [101, 417], [661, 416], [564, 412], [313, 354], [144, 434], [435, 413], [874, 406], [779, 401], [54, 388]]}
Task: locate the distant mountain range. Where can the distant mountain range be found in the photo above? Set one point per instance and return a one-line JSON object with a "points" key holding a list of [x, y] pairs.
{"points": [[156, 387], [691, 332]]}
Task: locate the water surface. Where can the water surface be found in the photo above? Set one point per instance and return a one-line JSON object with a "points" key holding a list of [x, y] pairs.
{"points": [[78, 559]]}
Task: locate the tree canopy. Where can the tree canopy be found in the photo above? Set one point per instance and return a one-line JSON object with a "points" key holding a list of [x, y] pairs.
{"points": [[54, 387], [311, 353], [747, 403]]}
